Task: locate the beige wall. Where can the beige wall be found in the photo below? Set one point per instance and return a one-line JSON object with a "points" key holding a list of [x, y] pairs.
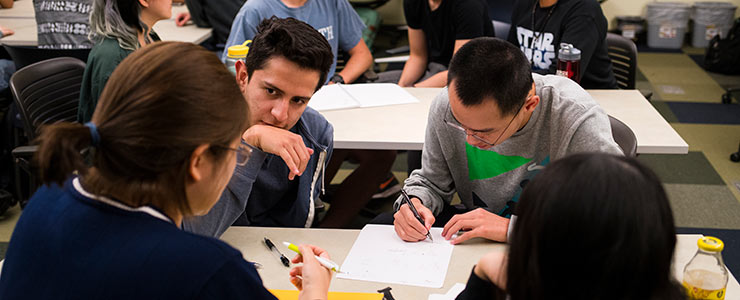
{"points": [[613, 8]]}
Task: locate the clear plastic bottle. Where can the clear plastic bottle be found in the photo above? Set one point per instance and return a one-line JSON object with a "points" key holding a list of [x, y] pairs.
{"points": [[235, 53], [705, 276], [569, 62]]}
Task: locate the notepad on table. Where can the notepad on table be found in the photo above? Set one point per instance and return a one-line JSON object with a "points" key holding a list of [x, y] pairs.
{"points": [[342, 96], [379, 255], [293, 294]]}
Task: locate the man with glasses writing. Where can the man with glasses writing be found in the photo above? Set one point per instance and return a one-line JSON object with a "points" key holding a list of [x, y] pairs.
{"points": [[488, 134]]}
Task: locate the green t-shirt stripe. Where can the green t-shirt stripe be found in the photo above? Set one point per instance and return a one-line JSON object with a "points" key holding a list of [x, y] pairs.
{"points": [[484, 164]]}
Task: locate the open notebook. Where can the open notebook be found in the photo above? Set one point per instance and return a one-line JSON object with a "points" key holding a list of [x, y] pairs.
{"points": [[342, 96]]}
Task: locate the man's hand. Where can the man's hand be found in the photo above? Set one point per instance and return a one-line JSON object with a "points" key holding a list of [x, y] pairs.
{"points": [[492, 267], [407, 226], [312, 279], [6, 31], [289, 146], [182, 18], [479, 223]]}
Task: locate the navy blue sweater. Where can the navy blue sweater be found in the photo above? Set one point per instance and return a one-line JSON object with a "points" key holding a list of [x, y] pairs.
{"points": [[67, 245]]}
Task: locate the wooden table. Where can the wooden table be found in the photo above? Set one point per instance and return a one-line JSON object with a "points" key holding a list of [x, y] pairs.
{"points": [[402, 127], [338, 243], [21, 18]]}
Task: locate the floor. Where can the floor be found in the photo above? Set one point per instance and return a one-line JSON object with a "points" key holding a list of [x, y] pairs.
{"points": [[703, 186]]}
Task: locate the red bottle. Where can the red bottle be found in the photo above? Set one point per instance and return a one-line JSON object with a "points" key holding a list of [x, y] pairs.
{"points": [[569, 62]]}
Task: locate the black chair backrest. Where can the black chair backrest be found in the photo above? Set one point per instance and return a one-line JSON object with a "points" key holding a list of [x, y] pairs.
{"points": [[26, 55], [623, 53], [624, 137], [47, 92]]}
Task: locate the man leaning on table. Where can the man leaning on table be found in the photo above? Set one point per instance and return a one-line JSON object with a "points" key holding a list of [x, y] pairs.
{"points": [[491, 131]]}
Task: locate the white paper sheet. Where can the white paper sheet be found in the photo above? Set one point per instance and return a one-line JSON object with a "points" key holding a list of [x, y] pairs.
{"points": [[379, 255], [342, 96]]}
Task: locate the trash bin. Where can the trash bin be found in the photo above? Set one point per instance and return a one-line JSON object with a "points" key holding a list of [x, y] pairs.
{"points": [[667, 23], [710, 19], [631, 27]]}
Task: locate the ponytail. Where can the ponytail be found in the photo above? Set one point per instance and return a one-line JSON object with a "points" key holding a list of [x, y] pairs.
{"points": [[59, 151]]}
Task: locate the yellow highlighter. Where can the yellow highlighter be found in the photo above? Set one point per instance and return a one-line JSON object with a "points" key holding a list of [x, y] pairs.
{"points": [[323, 261]]}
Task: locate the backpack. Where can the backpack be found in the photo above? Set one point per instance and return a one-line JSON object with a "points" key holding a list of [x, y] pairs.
{"points": [[722, 54]]}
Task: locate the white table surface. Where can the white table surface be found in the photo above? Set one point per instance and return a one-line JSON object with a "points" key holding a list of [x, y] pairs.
{"points": [[402, 127], [26, 30], [338, 242], [20, 9]]}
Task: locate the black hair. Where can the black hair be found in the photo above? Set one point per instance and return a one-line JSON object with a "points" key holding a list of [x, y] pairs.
{"points": [[593, 226], [490, 68], [293, 39]]}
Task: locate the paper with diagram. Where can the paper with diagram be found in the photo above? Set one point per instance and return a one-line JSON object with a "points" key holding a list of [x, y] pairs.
{"points": [[342, 96], [379, 255]]}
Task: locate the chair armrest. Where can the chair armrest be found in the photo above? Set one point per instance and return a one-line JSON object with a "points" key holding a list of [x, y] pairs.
{"points": [[24, 152]]}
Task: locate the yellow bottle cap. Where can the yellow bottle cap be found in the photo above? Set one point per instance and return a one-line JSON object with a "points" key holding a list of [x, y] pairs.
{"points": [[239, 50], [710, 243]]}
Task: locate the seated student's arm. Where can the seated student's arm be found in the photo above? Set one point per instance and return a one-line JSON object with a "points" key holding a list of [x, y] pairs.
{"points": [[488, 279], [359, 61], [233, 201], [580, 30], [195, 12], [592, 134], [235, 279], [440, 79], [243, 28], [6, 3], [430, 187], [416, 65]]}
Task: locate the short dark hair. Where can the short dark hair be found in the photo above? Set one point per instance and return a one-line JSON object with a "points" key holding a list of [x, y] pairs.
{"points": [[153, 113], [601, 221], [488, 67], [293, 39]]}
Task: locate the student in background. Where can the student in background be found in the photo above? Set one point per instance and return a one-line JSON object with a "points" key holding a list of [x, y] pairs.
{"points": [[488, 134], [63, 24], [117, 28], [291, 143], [539, 26], [160, 153], [218, 15], [336, 20], [590, 226], [437, 28]]}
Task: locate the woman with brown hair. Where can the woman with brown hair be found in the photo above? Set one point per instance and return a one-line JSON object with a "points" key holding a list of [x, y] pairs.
{"points": [[163, 144]]}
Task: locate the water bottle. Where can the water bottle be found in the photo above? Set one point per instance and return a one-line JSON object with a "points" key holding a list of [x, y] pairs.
{"points": [[705, 276], [569, 62], [236, 53]]}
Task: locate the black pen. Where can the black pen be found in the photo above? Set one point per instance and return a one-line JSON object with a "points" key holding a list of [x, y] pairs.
{"points": [[272, 248], [416, 213]]}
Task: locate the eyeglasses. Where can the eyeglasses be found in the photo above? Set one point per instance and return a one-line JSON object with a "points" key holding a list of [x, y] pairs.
{"points": [[462, 129], [243, 152]]}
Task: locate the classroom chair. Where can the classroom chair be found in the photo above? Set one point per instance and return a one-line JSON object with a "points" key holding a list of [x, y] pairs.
{"points": [[26, 55], [44, 92], [624, 137], [623, 54]]}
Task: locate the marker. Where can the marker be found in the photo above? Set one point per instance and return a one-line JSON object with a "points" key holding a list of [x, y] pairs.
{"points": [[271, 246], [323, 261]]}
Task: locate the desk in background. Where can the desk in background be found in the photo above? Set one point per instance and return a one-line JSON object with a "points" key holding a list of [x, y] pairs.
{"points": [[402, 127], [21, 18], [338, 242]]}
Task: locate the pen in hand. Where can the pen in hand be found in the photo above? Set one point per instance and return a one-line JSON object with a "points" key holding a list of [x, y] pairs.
{"points": [[407, 199], [271, 246]]}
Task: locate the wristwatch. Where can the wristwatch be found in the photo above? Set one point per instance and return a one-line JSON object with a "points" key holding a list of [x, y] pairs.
{"points": [[337, 79]]}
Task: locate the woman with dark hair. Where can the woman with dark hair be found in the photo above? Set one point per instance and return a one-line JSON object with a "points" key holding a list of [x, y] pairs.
{"points": [[159, 153], [590, 226], [117, 27]]}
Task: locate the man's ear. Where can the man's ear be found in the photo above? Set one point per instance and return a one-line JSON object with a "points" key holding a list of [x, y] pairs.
{"points": [[197, 168], [242, 77]]}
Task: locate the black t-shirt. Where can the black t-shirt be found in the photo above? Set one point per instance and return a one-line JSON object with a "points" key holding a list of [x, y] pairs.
{"points": [[452, 20], [577, 22], [219, 16]]}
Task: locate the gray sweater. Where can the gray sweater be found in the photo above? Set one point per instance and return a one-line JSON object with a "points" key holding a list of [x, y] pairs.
{"points": [[566, 121]]}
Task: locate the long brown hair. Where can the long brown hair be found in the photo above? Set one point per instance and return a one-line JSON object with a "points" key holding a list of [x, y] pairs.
{"points": [[161, 102]]}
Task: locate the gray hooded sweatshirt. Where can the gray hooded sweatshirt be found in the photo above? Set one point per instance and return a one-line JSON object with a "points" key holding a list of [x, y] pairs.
{"points": [[566, 121]]}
